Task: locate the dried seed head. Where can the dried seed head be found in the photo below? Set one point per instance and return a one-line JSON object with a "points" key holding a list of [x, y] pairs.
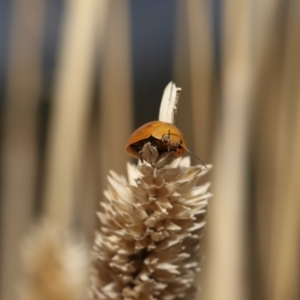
{"points": [[148, 245], [54, 265]]}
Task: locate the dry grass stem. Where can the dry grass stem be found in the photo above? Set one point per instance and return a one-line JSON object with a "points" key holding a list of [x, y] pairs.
{"points": [[19, 128], [115, 107], [71, 106], [227, 267]]}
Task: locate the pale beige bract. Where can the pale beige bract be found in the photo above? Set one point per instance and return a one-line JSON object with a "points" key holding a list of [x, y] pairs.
{"points": [[148, 244]]}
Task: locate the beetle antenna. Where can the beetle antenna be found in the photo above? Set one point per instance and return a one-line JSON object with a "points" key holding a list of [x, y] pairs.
{"points": [[203, 164]]}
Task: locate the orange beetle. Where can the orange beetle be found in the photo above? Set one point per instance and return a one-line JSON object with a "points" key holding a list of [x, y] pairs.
{"points": [[166, 137]]}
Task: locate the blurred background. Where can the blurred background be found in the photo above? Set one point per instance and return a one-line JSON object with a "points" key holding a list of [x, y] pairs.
{"points": [[77, 77]]}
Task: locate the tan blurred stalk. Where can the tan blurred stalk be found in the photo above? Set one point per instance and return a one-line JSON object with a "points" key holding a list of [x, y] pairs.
{"points": [[227, 222], [276, 212], [72, 99], [89, 190], [283, 277], [115, 92], [63, 275], [19, 143], [284, 257], [182, 73], [200, 65], [193, 70], [267, 60]]}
